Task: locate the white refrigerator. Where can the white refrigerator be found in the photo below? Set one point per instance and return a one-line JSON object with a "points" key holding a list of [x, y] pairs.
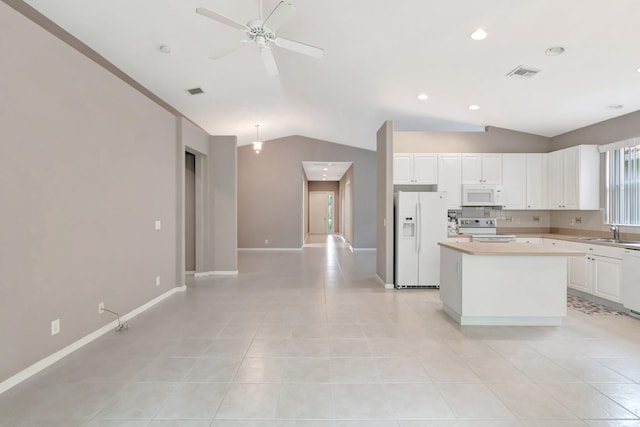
{"points": [[420, 223]]}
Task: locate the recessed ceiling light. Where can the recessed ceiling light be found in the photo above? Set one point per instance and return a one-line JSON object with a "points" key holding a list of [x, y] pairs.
{"points": [[638, 70], [324, 174], [329, 164], [554, 51], [615, 106], [479, 34], [423, 97], [324, 179], [325, 169], [474, 107], [165, 48]]}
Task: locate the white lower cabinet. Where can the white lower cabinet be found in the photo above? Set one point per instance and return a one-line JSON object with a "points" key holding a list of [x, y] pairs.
{"points": [[599, 272], [532, 240], [458, 239], [579, 276], [607, 277]]}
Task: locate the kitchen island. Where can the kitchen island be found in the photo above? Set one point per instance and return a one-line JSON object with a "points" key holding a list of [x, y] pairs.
{"points": [[504, 283]]}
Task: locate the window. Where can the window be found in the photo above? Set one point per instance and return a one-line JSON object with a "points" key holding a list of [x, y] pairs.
{"points": [[623, 183]]}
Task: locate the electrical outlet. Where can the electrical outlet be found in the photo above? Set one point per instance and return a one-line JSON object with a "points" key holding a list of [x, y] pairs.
{"points": [[157, 280], [266, 241], [55, 327], [100, 307]]}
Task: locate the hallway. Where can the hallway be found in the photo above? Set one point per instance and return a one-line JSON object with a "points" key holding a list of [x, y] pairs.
{"points": [[311, 338]]}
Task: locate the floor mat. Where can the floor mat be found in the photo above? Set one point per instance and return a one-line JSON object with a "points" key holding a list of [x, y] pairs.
{"points": [[589, 307]]}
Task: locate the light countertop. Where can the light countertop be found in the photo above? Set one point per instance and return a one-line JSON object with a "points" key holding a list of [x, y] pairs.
{"points": [[509, 249]]}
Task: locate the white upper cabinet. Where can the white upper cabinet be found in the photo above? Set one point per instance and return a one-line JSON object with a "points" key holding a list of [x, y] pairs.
{"points": [[425, 168], [403, 168], [573, 178], [514, 178], [449, 178], [536, 181], [415, 168], [480, 168]]}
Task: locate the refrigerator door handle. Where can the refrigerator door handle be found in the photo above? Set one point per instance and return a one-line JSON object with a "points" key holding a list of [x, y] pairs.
{"points": [[418, 227]]}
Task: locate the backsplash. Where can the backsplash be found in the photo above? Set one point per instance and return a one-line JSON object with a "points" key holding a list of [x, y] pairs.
{"points": [[524, 221], [588, 223]]}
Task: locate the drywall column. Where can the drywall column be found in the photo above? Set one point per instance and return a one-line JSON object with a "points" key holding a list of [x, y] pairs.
{"points": [[384, 204], [222, 219]]}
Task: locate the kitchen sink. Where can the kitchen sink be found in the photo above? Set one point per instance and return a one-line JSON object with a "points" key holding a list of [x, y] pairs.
{"points": [[628, 242], [604, 240]]}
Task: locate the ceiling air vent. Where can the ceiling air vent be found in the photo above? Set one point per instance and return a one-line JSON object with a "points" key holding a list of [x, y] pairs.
{"points": [[195, 91], [523, 72]]}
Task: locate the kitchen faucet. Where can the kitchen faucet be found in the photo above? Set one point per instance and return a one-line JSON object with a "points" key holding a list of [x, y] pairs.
{"points": [[616, 232]]}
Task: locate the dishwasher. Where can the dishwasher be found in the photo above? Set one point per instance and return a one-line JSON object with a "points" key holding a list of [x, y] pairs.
{"points": [[631, 281]]}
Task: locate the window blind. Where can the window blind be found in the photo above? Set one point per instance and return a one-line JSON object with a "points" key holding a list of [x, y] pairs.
{"points": [[623, 185]]}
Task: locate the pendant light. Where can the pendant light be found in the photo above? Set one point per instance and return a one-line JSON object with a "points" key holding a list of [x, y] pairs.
{"points": [[257, 144]]}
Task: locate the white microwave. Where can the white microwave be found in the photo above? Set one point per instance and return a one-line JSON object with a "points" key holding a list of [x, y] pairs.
{"points": [[482, 195]]}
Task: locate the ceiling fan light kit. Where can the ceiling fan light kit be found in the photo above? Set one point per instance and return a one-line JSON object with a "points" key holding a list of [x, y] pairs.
{"points": [[263, 34]]}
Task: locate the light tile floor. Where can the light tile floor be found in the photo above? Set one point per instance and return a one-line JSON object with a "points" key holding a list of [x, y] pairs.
{"points": [[311, 339]]}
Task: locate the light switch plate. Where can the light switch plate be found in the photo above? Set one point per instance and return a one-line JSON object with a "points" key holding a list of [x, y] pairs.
{"points": [[157, 280], [158, 225]]}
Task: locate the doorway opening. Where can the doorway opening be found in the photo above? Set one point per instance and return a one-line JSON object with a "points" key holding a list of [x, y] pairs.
{"points": [[325, 208], [190, 212]]}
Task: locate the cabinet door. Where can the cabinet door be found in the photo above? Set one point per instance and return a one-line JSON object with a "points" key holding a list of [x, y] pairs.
{"points": [[579, 274], [570, 177], [607, 278], [403, 168], [449, 178], [492, 168], [514, 175], [425, 168], [555, 181], [536, 174], [471, 168]]}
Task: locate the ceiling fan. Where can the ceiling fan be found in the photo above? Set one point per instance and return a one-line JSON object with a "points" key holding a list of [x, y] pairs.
{"points": [[262, 33]]}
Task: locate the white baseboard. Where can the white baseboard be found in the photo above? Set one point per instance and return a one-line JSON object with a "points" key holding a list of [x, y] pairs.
{"points": [[215, 273], [363, 249], [53, 358], [270, 249], [386, 285]]}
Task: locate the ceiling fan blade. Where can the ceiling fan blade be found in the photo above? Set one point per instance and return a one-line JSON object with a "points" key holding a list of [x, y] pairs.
{"points": [[229, 50], [221, 18], [279, 15], [305, 49], [269, 60]]}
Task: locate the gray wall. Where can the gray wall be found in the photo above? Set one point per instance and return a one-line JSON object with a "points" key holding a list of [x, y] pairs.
{"points": [[493, 140], [328, 186], [87, 165], [384, 204], [270, 191], [613, 130], [89, 161]]}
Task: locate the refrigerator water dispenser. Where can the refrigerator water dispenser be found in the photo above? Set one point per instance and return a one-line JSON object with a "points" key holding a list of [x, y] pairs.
{"points": [[409, 227]]}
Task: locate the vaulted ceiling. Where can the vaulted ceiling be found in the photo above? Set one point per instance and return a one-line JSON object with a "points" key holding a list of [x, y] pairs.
{"points": [[379, 56]]}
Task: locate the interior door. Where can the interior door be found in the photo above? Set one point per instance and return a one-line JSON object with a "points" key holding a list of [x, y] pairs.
{"points": [[320, 212]]}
